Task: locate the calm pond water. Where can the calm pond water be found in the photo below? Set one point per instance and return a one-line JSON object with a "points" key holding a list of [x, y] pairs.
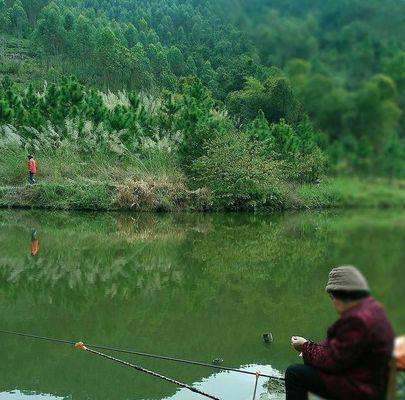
{"points": [[187, 285]]}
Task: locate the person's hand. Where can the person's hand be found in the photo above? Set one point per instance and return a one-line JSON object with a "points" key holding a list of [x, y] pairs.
{"points": [[297, 342]]}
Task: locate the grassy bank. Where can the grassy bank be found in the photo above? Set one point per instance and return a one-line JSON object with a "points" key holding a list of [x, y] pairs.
{"points": [[353, 192], [141, 195], [156, 184], [68, 181]]}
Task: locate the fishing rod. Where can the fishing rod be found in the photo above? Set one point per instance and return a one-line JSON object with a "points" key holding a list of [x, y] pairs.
{"points": [[82, 346], [142, 354], [255, 389]]}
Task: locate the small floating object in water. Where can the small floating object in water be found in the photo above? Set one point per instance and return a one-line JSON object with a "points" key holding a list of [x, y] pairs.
{"points": [[217, 361], [267, 337]]}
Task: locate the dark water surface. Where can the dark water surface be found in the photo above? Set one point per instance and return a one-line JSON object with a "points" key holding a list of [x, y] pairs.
{"points": [[191, 286]]}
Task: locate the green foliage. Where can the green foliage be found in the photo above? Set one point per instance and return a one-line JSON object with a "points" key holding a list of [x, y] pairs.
{"points": [[259, 129], [6, 113], [343, 62], [50, 30], [17, 18], [285, 142], [369, 115], [306, 167], [176, 61], [303, 161], [274, 97], [196, 119], [238, 174], [376, 111], [392, 159]]}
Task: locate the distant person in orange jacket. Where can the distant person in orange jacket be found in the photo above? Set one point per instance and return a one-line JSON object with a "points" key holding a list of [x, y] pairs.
{"points": [[32, 169]]}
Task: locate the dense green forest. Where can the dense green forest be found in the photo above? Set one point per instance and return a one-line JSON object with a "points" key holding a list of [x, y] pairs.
{"points": [[242, 96]]}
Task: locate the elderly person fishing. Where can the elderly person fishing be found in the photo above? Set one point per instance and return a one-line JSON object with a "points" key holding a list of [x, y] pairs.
{"points": [[353, 362]]}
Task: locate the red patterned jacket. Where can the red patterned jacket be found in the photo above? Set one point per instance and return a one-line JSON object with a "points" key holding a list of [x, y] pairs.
{"points": [[353, 360], [32, 166]]}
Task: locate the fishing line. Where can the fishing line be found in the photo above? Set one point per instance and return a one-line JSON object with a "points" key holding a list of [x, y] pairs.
{"points": [[142, 354]]}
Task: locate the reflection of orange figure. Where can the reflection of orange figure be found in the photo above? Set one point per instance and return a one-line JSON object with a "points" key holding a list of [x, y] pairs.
{"points": [[34, 243]]}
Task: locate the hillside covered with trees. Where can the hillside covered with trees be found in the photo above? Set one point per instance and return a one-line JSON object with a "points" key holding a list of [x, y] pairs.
{"points": [[246, 97]]}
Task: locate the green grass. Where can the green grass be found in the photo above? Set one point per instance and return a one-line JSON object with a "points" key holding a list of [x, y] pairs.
{"points": [[353, 192], [68, 196], [67, 166]]}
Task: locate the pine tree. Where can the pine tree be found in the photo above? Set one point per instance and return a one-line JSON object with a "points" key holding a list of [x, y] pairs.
{"points": [[6, 113], [94, 108], [18, 19], [176, 61], [285, 141], [259, 128]]}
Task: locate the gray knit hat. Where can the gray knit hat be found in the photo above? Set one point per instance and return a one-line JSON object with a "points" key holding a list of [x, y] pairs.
{"points": [[348, 279]]}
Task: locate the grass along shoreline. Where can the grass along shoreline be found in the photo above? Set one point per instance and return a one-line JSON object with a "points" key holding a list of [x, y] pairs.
{"points": [[171, 193]]}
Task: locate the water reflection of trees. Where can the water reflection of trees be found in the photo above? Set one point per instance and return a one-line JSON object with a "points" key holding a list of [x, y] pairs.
{"points": [[115, 256], [194, 286], [119, 254]]}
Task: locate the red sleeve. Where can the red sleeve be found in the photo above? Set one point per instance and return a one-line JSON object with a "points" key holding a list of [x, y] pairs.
{"points": [[341, 351]]}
